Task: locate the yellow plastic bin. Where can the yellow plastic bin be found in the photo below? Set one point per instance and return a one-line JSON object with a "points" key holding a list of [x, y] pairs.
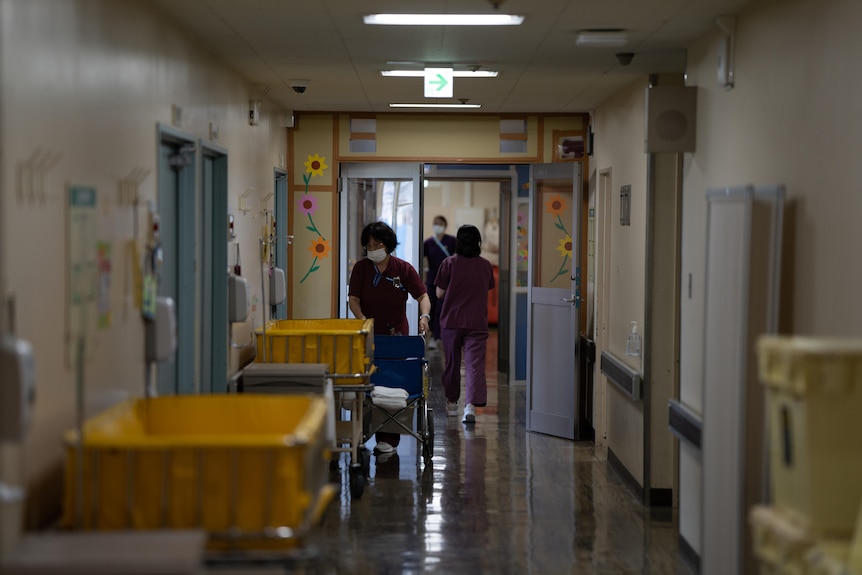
{"points": [[345, 345], [814, 397], [250, 469]]}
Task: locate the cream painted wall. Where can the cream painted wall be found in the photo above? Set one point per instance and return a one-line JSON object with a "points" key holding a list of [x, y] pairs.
{"points": [[614, 124], [311, 291], [793, 117], [88, 82], [444, 137]]}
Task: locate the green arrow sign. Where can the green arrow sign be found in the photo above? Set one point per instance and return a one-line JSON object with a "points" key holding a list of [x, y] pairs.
{"points": [[438, 82]]}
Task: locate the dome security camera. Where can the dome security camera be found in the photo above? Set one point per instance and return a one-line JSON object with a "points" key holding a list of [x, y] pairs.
{"points": [[299, 86], [625, 58]]}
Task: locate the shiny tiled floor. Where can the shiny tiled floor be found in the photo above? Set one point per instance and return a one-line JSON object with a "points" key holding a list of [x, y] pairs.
{"points": [[496, 499]]}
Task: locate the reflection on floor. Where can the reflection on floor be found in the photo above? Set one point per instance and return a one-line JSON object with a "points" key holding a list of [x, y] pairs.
{"points": [[496, 499]]}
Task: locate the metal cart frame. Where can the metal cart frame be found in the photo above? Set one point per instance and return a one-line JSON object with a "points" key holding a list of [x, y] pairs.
{"points": [[400, 362], [326, 341]]}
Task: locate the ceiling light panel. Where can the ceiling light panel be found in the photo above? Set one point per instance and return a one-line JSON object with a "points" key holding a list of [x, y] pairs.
{"points": [[443, 19], [420, 105], [456, 73]]}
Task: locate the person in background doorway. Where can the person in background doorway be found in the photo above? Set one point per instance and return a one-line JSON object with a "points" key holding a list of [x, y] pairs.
{"points": [[463, 282], [378, 288], [437, 248]]}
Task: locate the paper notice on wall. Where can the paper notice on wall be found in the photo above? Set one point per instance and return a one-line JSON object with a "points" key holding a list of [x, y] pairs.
{"points": [[82, 225], [104, 285]]}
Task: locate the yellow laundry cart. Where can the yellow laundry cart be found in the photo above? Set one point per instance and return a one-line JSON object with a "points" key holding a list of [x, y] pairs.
{"points": [[249, 469], [346, 347]]}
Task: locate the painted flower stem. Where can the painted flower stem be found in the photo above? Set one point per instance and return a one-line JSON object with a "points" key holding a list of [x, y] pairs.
{"points": [[562, 268], [313, 227], [310, 269], [561, 225]]}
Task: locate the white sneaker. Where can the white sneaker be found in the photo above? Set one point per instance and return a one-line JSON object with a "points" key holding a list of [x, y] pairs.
{"points": [[383, 447], [452, 409], [469, 413]]}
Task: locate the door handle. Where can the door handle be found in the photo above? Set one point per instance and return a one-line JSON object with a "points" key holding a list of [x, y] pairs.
{"points": [[572, 300]]}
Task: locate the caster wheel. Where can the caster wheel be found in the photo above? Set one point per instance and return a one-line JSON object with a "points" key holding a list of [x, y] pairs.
{"points": [[365, 460], [428, 444], [357, 481]]}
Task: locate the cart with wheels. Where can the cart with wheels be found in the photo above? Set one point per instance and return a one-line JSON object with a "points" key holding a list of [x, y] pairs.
{"points": [[346, 348], [399, 362], [246, 469]]}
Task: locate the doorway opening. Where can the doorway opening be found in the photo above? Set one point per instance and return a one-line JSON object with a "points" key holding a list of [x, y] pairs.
{"points": [[477, 195], [484, 203]]}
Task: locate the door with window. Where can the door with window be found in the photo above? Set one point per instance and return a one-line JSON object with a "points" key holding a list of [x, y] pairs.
{"points": [[387, 192], [553, 299]]}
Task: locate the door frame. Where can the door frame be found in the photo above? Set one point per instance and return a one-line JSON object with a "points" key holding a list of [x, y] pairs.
{"points": [[181, 375], [214, 334], [348, 237], [282, 240], [506, 209], [602, 306]]}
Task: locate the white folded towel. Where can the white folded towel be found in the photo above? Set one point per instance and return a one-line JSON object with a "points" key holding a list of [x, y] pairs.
{"points": [[389, 397]]}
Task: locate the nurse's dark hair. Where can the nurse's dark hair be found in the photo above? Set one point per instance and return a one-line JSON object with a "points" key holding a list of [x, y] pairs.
{"points": [[382, 233], [468, 241]]}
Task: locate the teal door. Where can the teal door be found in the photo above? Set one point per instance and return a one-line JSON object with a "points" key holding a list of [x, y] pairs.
{"points": [[176, 202]]}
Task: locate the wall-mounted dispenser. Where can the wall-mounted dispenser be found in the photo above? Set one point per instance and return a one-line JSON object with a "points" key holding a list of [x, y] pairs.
{"points": [[17, 394], [238, 299], [633, 342], [277, 286], [162, 331], [17, 387]]}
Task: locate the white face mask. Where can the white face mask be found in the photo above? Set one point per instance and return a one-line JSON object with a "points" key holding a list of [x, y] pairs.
{"points": [[377, 256], [438, 230]]}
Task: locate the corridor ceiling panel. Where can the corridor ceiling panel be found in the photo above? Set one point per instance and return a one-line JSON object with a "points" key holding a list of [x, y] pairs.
{"points": [[274, 43]]}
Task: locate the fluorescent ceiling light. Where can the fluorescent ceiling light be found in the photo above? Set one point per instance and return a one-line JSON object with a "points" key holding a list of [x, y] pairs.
{"points": [[435, 105], [443, 19], [455, 74], [608, 38]]}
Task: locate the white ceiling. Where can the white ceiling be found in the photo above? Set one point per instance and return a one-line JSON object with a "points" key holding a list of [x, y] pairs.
{"points": [[272, 43]]}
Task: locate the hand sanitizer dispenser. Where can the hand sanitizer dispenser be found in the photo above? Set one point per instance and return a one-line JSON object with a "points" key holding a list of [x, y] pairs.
{"points": [[277, 286], [17, 387], [162, 331], [633, 342], [238, 299]]}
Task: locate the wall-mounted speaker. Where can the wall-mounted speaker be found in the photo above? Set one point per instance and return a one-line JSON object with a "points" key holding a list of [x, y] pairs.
{"points": [[670, 117]]}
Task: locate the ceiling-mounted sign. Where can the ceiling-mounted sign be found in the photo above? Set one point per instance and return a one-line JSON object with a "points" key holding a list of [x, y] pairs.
{"points": [[438, 82]]}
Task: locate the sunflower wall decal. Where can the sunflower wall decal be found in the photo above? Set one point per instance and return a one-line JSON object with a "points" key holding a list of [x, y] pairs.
{"points": [[557, 205], [307, 205]]}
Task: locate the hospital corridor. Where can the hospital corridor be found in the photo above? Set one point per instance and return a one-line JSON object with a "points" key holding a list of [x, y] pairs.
{"points": [[495, 499], [224, 225]]}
